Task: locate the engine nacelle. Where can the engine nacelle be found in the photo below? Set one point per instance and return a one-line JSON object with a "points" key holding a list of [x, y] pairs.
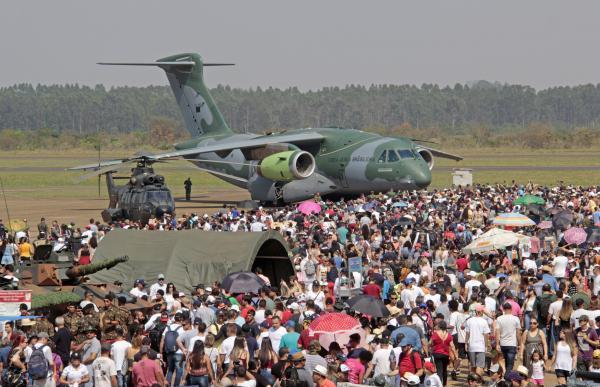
{"points": [[287, 166], [427, 156]]}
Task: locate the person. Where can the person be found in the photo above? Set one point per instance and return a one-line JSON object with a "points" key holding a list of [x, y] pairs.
{"points": [[187, 184], [565, 356], [587, 341], [533, 340], [242, 378], [199, 367], [290, 339], [84, 255], [10, 251], [91, 350], [536, 368], [297, 369], [39, 361], [320, 377], [477, 333], [508, 334], [118, 353], [160, 285], [173, 352], [146, 372], [409, 360], [442, 348], [75, 374], [105, 370], [267, 358], [276, 332]]}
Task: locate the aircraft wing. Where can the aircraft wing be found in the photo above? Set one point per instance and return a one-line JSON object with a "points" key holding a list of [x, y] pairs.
{"points": [[292, 138], [442, 154]]}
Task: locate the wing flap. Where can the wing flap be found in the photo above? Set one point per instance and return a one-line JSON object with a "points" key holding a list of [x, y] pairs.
{"points": [[444, 155]]}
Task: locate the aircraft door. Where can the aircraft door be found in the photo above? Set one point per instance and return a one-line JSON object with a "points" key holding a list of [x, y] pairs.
{"points": [[342, 176]]}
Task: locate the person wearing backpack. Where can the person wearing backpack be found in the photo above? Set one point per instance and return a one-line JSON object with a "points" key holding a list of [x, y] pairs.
{"points": [[409, 360], [172, 351], [39, 362]]}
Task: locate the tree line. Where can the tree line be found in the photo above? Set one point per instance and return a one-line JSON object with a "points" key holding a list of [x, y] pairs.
{"points": [[481, 113]]}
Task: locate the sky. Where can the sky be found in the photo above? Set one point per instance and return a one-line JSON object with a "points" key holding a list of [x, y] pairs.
{"points": [[309, 44]]}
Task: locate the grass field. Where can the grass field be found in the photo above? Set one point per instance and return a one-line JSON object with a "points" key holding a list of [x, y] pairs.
{"points": [[36, 183]]}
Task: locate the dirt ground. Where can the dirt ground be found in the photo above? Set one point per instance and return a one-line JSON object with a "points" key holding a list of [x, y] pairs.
{"points": [[81, 209]]}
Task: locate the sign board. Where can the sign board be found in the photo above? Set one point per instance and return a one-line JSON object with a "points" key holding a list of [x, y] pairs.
{"points": [[355, 264], [11, 299]]}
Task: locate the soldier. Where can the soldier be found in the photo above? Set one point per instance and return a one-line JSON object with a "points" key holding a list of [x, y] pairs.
{"points": [[109, 319], [43, 325], [72, 318], [90, 319], [188, 189], [124, 316]]}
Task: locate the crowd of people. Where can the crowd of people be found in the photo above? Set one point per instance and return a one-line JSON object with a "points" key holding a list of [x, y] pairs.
{"points": [[506, 317]]}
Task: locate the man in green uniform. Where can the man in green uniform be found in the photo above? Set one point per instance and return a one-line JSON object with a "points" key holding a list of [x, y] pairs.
{"points": [[43, 325], [72, 319], [90, 319], [110, 319], [124, 317]]}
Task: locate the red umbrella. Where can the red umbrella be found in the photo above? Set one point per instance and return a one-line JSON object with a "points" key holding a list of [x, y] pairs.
{"points": [[545, 224], [334, 323], [575, 236], [335, 327]]}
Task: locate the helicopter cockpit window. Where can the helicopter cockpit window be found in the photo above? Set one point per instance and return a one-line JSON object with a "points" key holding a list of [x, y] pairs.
{"points": [[406, 154], [392, 157], [382, 157]]}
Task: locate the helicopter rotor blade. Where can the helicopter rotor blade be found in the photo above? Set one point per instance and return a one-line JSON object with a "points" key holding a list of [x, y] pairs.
{"points": [[98, 172]]}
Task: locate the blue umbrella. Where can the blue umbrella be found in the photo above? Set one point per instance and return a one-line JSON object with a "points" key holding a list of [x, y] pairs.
{"points": [[369, 206], [400, 204], [13, 318]]}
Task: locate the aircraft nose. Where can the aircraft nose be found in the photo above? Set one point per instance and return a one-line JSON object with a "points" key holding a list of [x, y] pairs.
{"points": [[421, 176]]}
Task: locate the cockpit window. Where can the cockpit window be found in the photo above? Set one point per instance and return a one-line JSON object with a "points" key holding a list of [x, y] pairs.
{"points": [[382, 157], [406, 153], [392, 156], [160, 197]]}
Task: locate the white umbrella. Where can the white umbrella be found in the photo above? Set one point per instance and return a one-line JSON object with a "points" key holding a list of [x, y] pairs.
{"points": [[494, 239]]}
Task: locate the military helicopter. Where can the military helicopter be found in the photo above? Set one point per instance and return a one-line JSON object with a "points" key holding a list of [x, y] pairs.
{"points": [[144, 196]]}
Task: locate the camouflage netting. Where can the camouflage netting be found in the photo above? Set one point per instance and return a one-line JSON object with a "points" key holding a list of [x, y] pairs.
{"points": [[53, 298]]}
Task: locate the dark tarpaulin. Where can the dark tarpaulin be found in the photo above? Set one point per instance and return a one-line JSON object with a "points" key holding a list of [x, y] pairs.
{"points": [[191, 257]]}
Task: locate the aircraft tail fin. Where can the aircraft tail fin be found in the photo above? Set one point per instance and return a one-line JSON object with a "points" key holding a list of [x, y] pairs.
{"points": [[185, 74]]}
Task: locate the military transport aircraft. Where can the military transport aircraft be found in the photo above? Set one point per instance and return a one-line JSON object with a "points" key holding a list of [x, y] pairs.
{"points": [[291, 165]]}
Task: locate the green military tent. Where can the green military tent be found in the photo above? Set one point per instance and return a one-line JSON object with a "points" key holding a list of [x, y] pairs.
{"points": [[191, 257]]}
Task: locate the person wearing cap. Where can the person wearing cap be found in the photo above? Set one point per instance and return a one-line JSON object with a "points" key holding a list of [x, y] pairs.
{"points": [[75, 373], [159, 285], [432, 379], [105, 370], [477, 333], [319, 375], [548, 278], [471, 283], [290, 339], [409, 360], [138, 289], [42, 342], [72, 318], [508, 334], [110, 316], [382, 363], [90, 349], [587, 341], [313, 358], [298, 365], [410, 293]]}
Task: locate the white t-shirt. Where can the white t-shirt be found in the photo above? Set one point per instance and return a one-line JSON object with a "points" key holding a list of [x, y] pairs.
{"points": [[227, 347], [508, 326], [435, 298], [318, 297], [477, 328], [73, 375], [554, 309], [193, 342], [408, 296], [491, 304], [247, 383], [138, 293], [596, 284], [275, 336], [560, 266], [381, 361], [529, 264], [155, 287], [470, 284], [118, 352], [104, 368], [259, 316]]}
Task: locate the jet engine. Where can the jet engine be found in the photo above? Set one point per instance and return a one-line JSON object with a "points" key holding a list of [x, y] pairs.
{"points": [[427, 156], [287, 166]]}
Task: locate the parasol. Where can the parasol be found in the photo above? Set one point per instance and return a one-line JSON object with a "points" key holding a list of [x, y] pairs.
{"points": [[512, 219], [309, 207], [575, 236], [369, 305], [242, 282], [529, 199]]}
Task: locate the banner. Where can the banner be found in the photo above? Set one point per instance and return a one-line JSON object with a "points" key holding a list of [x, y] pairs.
{"points": [[10, 300]]}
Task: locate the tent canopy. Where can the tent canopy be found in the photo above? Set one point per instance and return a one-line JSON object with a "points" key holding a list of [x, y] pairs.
{"points": [[191, 257]]}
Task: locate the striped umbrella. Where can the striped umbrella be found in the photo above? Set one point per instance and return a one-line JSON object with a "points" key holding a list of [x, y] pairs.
{"points": [[513, 219], [545, 224], [493, 239], [575, 236]]}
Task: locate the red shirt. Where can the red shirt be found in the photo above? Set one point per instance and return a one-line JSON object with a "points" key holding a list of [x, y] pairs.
{"points": [[144, 373], [462, 263], [246, 309], [409, 363], [326, 383], [285, 316], [372, 290], [305, 339], [440, 346]]}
